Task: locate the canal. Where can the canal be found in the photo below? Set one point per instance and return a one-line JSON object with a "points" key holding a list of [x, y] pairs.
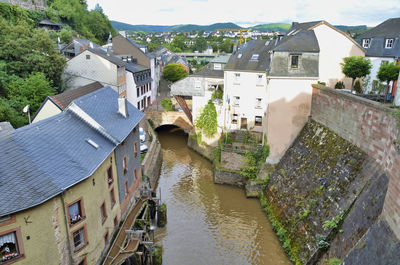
{"points": [[209, 223]]}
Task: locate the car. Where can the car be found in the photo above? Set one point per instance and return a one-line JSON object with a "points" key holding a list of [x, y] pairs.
{"points": [[142, 135], [143, 148], [349, 91]]}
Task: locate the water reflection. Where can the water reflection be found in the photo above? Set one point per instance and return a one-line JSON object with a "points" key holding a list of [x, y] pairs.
{"points": [[208, 223]]}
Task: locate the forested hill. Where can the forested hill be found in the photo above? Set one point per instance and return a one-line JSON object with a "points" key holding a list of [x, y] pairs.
{"points": [[179, 28], [30, 65]]}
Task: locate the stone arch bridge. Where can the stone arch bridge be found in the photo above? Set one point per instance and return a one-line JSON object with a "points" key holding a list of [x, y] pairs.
{"points": [[176, 118]]}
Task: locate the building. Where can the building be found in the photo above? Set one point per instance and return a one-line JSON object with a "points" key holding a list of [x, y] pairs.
{"points": [[68, 181], [53, 105], [268, 83], [126, 46], [382, 44], [94, 64], [48, 25], [76, 46]]}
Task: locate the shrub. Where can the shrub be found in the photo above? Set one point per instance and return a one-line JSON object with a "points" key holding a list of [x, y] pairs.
{"points": [[207, 121], [166, 104], [339, 85], [357, 87]]}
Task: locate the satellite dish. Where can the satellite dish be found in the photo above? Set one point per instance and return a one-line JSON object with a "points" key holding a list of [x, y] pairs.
{"points": [[26, 109]]}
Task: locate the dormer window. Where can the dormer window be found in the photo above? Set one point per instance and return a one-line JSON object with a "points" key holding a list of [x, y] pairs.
{"points": [[389, 43], [366, 43], [294, 61]]}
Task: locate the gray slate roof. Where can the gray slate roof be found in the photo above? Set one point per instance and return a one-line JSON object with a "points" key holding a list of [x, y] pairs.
{"points": [[390, 29], [209, 72], [243, 62], [109, 57], [40, 160], [303, 41], [135, 68]]}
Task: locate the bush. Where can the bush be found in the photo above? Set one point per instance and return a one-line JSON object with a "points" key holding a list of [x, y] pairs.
{"points": [[357, 87], [339, 85], [166, 104], [207, 121]]}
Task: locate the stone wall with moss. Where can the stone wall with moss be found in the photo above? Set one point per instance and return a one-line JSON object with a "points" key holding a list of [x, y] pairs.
{"points": [[313, 189]]}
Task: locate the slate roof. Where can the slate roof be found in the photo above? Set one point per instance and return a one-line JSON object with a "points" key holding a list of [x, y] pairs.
{"points": [[109, 57], [303, 41], [41, 160], [241, 59], [209, 72], [49, 23], [140, 47], [389, 29], [135, 68]]}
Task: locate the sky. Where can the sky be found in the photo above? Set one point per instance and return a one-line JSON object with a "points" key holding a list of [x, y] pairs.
{"points": [[248, 12]]}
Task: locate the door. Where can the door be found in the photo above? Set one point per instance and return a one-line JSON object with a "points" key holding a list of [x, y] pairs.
{"points": [[243, 123]]}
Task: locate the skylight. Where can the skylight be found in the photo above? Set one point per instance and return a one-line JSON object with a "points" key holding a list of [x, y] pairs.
{"points": [[92, 143], [254, 57]]}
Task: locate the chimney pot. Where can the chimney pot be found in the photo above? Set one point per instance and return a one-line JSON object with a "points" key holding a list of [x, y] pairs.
{"points": [[87, 46]]}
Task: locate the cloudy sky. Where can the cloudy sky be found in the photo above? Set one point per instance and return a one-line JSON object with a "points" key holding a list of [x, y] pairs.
{"points": [[248, 12]]}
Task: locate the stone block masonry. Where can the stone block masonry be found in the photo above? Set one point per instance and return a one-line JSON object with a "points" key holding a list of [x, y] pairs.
{"points": [[371, 127]]}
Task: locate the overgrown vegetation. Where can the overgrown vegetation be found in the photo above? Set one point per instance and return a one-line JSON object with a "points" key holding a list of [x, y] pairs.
{"points": [[166, 104], [356, 67], [388, 72], [157, 254], [254, 160], [174, 72], [207, 122]]}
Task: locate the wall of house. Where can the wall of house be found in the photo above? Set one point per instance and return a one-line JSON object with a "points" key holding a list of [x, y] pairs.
{"points": [[248, 88], [281, 64], [123, 46], [93, 192], [154, 84], [126, 149], [85, 71], [376, 64], [289, 105], [131, 93], [49, 109], [40, 233], [371, 127], [334, 46]]}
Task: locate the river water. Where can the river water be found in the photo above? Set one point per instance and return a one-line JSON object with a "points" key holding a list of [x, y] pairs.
{"points": [[209, 223]]}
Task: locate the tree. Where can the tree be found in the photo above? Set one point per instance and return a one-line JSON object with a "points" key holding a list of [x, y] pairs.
{"points": [[355, 67], [227, 46], [200, 44], [26, 50], [388, 72], [178, 43], [207, 121], [174, 72]]}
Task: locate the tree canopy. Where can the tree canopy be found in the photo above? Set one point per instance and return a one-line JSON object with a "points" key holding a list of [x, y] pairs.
{"points": [[207, 121], [174, 72], [388, 72], [355, 67]]}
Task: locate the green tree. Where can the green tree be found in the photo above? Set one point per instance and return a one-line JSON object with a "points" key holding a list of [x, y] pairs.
{"points": [[178, 43], [207, 121], [8, 113], [174, 72], [200, 44], [227, 46], [388, 72], [166, 104], [26, 50], [32, 90], [355, 67]]}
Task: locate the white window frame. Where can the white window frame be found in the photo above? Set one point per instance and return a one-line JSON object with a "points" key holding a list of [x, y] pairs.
{"points": [[258, 103], [256, 123], [236, 101], [389, 43], [366, 43]]}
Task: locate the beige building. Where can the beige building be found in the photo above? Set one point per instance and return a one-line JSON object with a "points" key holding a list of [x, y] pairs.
{"points": [[268, 82]]}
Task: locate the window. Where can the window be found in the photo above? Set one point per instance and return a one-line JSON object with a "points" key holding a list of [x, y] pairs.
{"points": [[389, 43], [137, 92], [197, 84], [5, 218], [236, 101], [115, 221], [79, 238], [112, 197], [126, 187], [258, 103], [87, 56], [259, 79], [110, 178], [237, 75], [365, 43], [106, 238], [135, 149], [234, 118], [103, 212], [9, 248], [217, 66], [138, 105], [75, 212], [258, 121], [83, 262], [125, 165], [294, 61], [135, 173], [254, 57]]}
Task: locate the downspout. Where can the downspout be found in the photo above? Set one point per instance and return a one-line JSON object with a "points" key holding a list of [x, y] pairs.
{"points": [[66, 230]]}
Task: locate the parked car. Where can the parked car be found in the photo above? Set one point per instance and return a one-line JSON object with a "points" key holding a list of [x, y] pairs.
{"points": [[142, 135], [143, 148], [349, 91]]}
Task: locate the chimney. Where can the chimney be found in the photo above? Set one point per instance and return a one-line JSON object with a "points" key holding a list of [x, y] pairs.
{"points": [[123, 106], [87, 46]]}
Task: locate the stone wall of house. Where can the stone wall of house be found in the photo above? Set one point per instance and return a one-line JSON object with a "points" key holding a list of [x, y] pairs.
{"points": [[371, 127], [151, 164], [229, 177], [31, 4]]}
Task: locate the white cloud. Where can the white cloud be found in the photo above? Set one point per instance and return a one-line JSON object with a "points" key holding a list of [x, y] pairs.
{"points": [[249, 12]]}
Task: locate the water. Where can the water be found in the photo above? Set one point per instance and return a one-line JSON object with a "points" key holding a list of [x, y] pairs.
{"points": [[209, 223]]}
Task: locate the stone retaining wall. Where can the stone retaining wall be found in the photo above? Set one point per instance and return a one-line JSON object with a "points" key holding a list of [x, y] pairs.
{"points": [[231, 178], [151, 163]]}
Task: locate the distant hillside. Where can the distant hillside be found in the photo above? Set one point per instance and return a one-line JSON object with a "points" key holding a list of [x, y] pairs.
{"points": [[188, 27], [273, 27], [357, 30]]}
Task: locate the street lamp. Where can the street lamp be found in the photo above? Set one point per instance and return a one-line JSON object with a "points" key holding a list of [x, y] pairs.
{"points": [[27, 110]]}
